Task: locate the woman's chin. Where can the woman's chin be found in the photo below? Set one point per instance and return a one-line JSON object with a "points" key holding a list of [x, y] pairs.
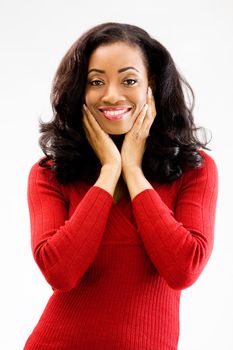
{"points": [[117, 133], [119, 130]]}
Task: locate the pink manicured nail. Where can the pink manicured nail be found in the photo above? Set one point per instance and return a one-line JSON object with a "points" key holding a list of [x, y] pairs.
{"points": [[149, 91]]}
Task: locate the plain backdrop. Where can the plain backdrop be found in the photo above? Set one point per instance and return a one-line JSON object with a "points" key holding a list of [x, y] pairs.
{"points": [[34, 36]]}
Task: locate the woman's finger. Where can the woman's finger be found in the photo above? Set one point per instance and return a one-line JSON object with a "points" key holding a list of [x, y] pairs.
{"points": [[92, 123], [151, 113], [86, 123], [139, 121]]}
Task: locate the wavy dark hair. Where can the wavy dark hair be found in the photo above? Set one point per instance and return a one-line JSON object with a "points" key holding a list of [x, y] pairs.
{"points": [[172, 146]]}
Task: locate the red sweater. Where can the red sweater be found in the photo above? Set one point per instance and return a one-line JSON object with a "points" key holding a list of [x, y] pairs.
{"points": [[117, 270]]}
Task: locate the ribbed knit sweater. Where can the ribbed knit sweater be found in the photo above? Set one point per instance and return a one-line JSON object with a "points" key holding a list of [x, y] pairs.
{"points": [[117, 269]]}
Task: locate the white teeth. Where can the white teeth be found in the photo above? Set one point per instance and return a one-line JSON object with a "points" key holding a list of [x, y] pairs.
{"points": [[112, 113]]}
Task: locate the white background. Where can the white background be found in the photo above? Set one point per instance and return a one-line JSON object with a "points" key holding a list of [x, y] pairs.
{"points": [[34, 36]]}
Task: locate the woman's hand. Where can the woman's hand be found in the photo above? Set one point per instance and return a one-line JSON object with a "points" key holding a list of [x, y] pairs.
{"points": [[100, 141], [134, 144]]}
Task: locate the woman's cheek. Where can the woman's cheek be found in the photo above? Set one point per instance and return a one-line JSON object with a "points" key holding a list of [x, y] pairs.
{"points": [[142, 95], [141, 102]]}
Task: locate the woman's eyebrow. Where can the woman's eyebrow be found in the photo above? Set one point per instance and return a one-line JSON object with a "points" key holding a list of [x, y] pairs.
{"points": [[126, 68], [119, 70]]}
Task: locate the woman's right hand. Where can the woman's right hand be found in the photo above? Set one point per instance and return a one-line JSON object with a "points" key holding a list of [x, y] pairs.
{"points": [[100, 141]]}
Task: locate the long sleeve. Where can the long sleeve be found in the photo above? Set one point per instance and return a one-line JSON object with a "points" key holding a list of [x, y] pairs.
{"points": [[63, 246], [179, 243]]}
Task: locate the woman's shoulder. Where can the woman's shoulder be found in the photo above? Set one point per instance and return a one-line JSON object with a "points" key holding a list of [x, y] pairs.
{"points": [[41, 164], [207, 171], [207, 158], [42, 175], [40, 171], [208, 164]]}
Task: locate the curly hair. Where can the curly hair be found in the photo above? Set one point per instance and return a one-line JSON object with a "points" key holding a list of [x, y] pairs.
{"points": [[172, 146]]}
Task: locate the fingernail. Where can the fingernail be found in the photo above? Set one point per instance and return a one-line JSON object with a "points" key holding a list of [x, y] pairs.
{"points": [[149, 91], [84, 106]]}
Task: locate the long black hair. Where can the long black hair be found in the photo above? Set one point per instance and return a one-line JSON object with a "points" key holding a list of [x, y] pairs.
{"points": [[172, 146]]}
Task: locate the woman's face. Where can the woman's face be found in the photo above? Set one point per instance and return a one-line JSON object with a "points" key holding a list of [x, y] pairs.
{"points": [[116, 87]]}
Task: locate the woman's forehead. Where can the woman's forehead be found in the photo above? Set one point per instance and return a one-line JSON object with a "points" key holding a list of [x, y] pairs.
{"points": [[119, 55]]}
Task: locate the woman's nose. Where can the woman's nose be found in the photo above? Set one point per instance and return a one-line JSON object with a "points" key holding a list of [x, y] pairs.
{"points": [[112, 95]]}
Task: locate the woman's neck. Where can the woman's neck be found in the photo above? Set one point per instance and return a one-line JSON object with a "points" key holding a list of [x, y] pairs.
{"points": [[118, 140]]}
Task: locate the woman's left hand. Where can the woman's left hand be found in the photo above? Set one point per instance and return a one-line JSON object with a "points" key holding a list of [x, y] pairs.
{"points": [[134, 143]]}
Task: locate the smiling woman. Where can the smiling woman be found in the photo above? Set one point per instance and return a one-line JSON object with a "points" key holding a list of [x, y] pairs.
{"points": [[116, 90], [122, 206]]}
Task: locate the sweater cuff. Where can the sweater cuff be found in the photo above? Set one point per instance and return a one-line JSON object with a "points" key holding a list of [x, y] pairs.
{"points": [[147, 204], [143, 194], [105, 195]]}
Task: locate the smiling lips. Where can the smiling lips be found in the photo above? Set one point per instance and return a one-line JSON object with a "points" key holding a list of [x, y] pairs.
{"points": [[115, 113]]}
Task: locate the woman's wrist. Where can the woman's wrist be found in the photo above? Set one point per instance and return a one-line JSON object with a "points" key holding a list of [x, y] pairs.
{"points": [[108, 178], [135, 180]]}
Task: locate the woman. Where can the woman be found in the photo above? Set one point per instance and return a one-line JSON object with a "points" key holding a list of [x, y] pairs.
{"points": [[122, 206]]}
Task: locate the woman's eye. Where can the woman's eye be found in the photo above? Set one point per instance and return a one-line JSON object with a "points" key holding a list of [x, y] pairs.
{"points": [[98, 82], [95, 82], [130, 81]]}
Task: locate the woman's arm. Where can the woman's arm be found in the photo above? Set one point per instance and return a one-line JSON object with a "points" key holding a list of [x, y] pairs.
{"points": [[179, 244], [65, 247]]}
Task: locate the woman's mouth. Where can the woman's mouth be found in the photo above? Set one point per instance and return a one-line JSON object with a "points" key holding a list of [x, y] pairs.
{"points": [[117, 113]]}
